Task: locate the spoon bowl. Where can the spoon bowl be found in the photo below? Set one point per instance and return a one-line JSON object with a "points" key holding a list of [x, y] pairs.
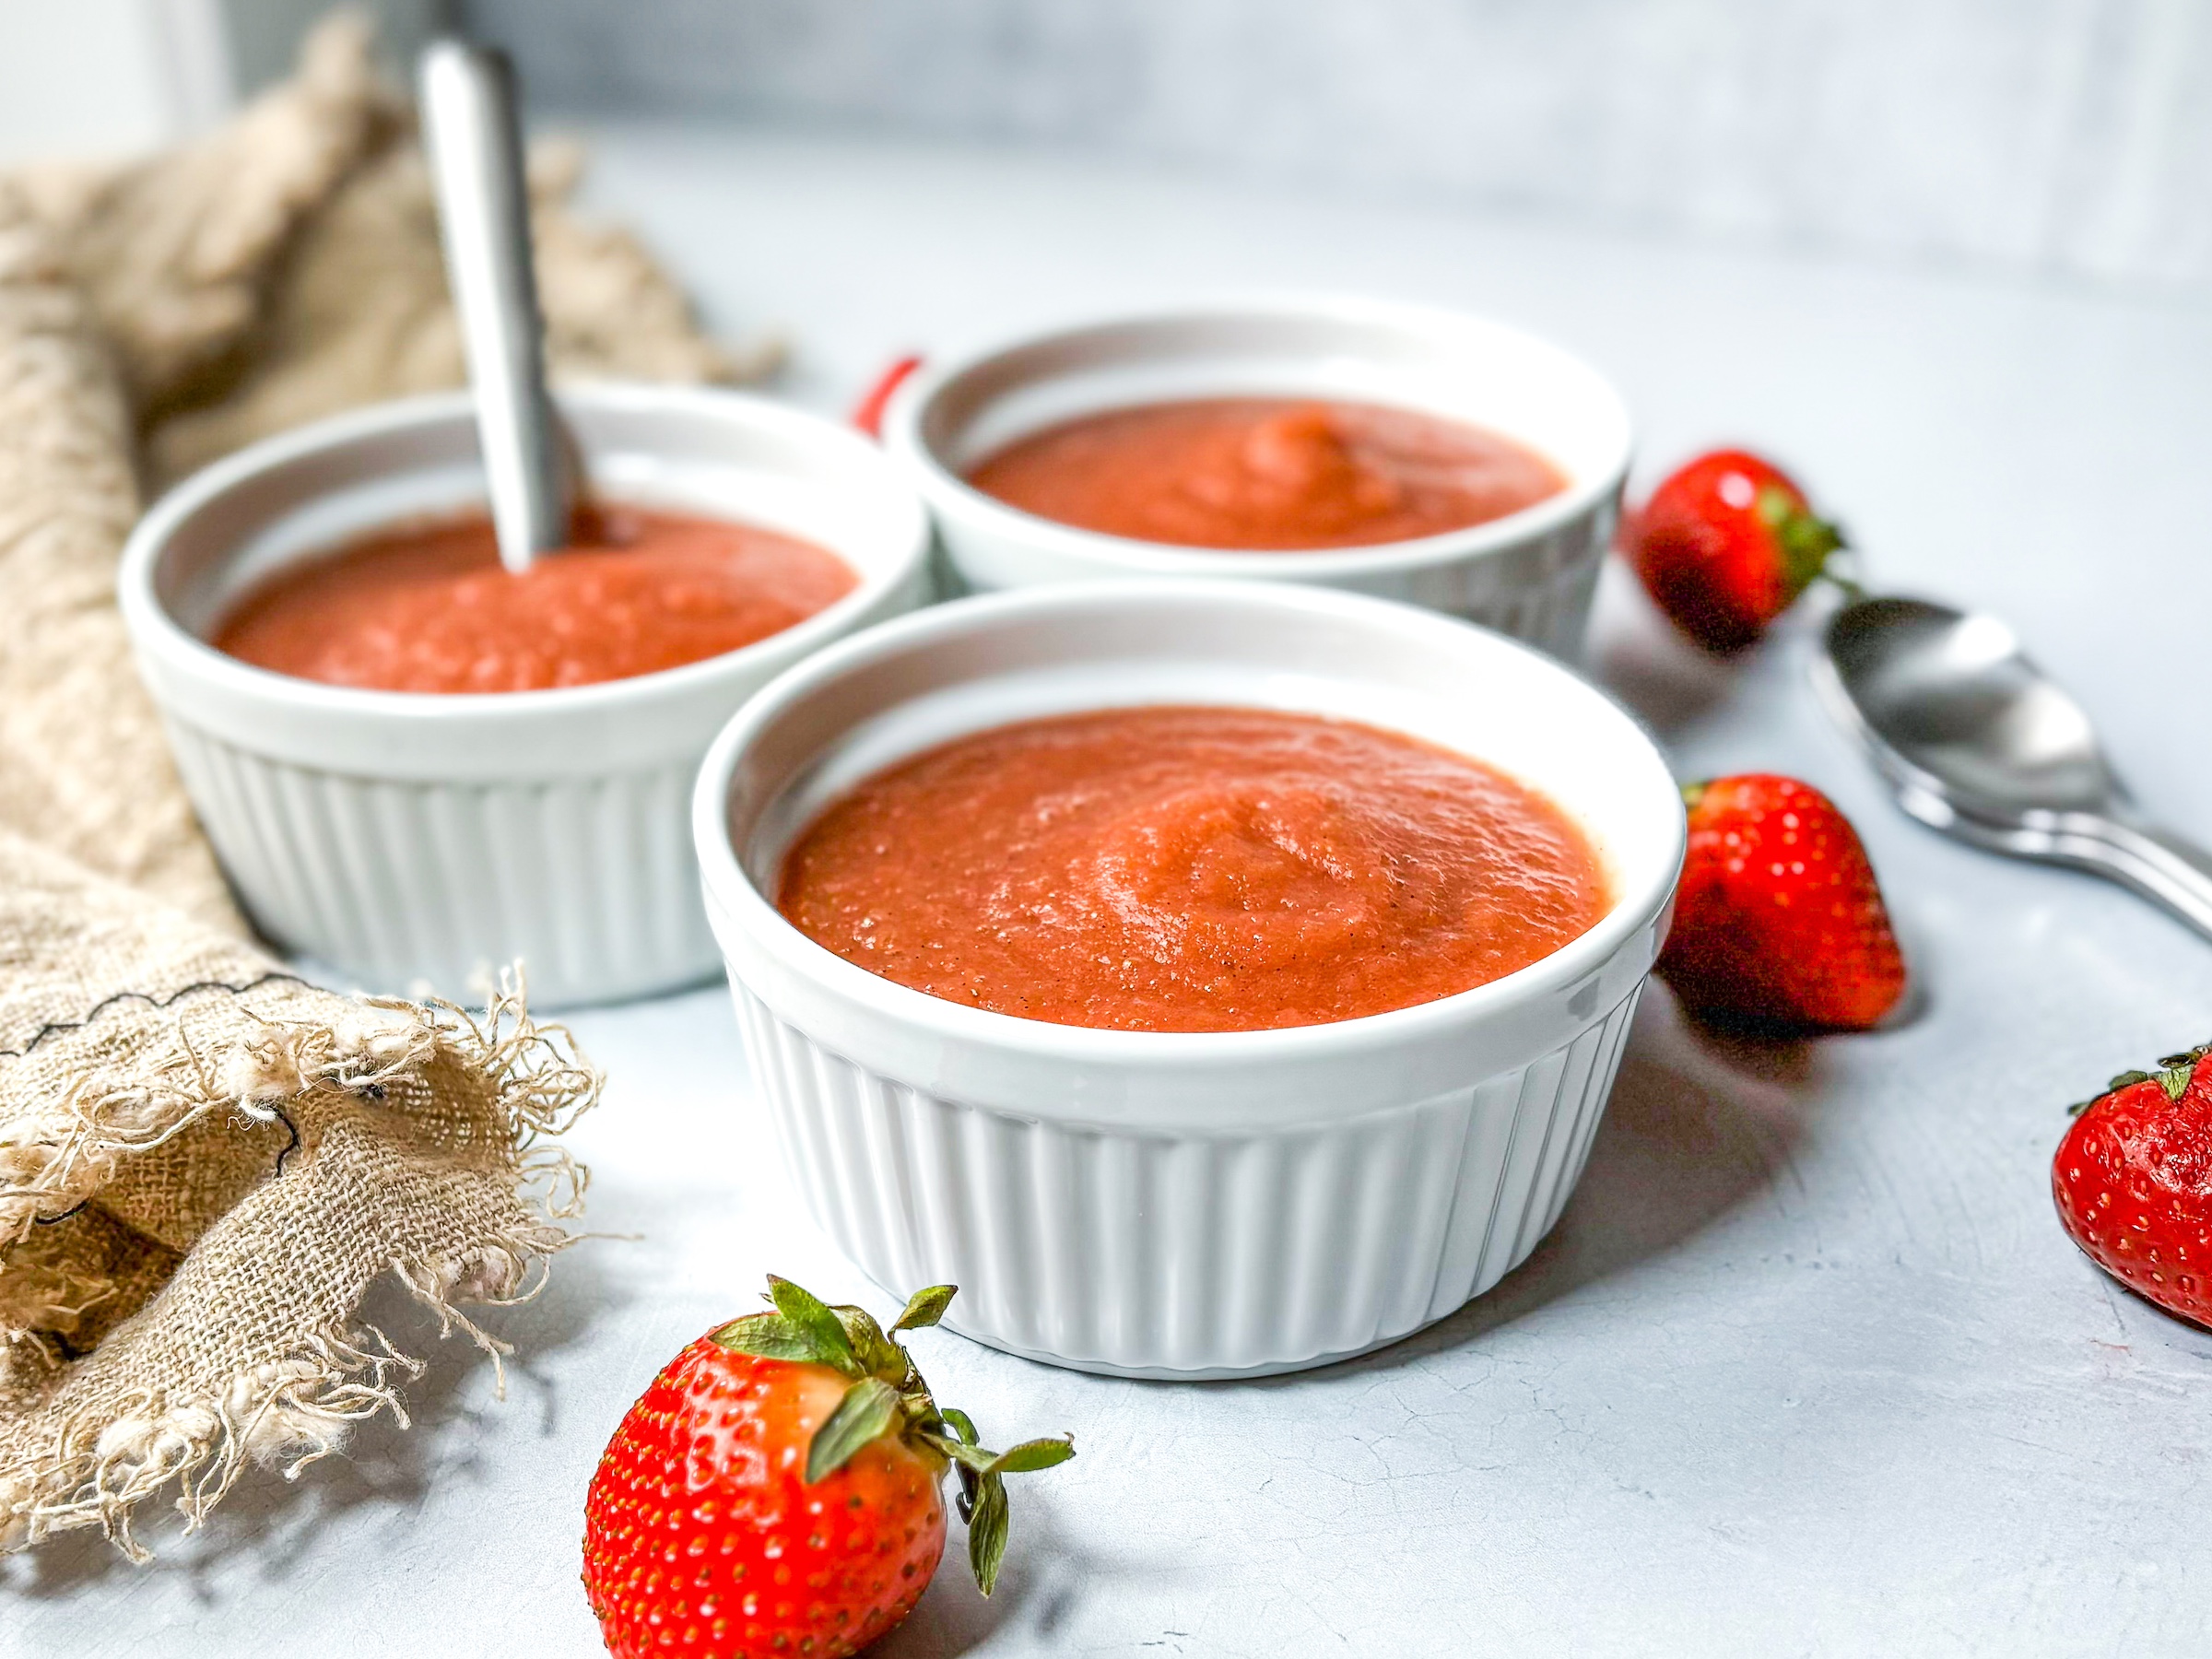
{"points": [[1977, 741], [1952, 696]]}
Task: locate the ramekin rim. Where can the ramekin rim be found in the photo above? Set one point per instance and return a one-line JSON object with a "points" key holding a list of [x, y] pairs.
{"points": [[153, 628], [947, 492], [726, 884]]}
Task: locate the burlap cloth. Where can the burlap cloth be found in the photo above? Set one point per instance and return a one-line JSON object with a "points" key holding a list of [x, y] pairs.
{"points": [[204, 1162]]}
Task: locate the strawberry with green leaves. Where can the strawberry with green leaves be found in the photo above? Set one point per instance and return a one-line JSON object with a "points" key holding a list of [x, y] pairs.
{"points": [[776, 1490], [1725, 544], [2133, 1179]]}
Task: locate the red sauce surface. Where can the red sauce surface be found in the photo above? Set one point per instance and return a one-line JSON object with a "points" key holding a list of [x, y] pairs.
{"points": [[1258, 472], [1192, 869], [428, 606]]}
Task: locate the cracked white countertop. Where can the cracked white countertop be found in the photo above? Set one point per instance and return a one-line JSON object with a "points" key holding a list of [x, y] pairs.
{"points": [[1808, 1367]]}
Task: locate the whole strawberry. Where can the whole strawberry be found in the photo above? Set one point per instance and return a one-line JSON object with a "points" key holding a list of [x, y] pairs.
{"points": [[1725, 544], [2133, 1180], [775, 1491], [1779, 922]]}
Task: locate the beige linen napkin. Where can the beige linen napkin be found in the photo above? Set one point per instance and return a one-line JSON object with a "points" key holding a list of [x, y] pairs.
{"points": [[204, 1162]]}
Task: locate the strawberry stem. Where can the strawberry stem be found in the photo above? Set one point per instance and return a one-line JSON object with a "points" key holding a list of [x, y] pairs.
{"points": [[2173, 1077], [1804, 539], [869, 1407], [888, 1394]]}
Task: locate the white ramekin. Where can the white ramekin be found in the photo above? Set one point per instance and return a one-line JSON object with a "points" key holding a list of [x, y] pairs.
{"points": [[414, 841], [1181, 1205], [1530, 574]]}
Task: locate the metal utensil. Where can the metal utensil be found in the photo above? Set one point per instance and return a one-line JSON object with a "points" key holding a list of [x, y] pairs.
{"points": [[1978, 743], [474, 142]]}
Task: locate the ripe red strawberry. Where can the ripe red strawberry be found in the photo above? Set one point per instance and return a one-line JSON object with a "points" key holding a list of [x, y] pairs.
{"points": [[2134, 1182], [1725, 544], [775, 1491], [1779, 922], [867, 413]]}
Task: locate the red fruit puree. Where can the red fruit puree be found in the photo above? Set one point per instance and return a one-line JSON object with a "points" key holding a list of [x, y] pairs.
{"points": [[1261, 472], [1192, 869], [426, 607]]}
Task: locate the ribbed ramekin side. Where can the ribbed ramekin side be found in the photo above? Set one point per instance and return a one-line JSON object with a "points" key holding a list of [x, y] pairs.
{"points": [[1589, 1110], [1540, 592], [1194, 1254], [1528, 1138], [590, 882]]}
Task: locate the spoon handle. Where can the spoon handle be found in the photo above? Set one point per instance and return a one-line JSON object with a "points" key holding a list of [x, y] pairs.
{"points": [[2165, 867], [475, 156], [2173, 874]]}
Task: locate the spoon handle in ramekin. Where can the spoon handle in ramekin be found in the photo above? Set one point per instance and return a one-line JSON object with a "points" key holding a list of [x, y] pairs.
{"points": [[475, 154]]}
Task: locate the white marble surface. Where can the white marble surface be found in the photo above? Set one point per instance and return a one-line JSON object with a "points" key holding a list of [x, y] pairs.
{"points": [[1808, 1368]]}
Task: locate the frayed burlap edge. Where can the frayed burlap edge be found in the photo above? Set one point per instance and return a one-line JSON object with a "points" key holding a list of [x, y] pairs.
{"points": [[293, 1409]]}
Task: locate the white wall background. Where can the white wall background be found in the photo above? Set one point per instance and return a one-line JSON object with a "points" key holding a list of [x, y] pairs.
{"points": [[99, 77], [2056, 137], [115, 78], [2059, 136]]}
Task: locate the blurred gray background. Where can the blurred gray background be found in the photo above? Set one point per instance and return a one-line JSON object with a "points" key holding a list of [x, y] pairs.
{"points": [[2063, 136], [2058, 137]]}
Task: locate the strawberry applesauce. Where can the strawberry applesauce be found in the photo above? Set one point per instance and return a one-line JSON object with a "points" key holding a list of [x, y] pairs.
{"points": [[1268, 473], [428, 606], [1192, 869]]}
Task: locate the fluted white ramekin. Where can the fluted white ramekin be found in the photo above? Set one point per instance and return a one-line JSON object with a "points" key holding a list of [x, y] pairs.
{"points": [[1530, 574], [414, 841], [1183, 1204]]}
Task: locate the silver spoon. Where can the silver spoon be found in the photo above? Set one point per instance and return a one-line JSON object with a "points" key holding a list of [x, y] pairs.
{"points": [[474, 138], [1977, 742]]}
